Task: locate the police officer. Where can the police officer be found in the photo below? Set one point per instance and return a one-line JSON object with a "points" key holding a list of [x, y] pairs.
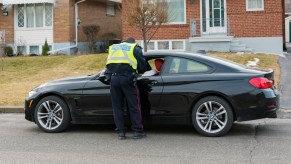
{"points": [[124, 62]]}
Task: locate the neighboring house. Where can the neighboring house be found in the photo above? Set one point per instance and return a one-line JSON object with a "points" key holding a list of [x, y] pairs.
{"points": [[28, 23], [218, 25]]}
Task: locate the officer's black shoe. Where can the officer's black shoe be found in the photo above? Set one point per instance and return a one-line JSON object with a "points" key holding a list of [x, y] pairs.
{"points": [[139, 135], [121, 135]]}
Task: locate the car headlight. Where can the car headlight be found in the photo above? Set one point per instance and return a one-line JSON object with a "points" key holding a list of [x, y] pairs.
{"points": [[31, 93]]}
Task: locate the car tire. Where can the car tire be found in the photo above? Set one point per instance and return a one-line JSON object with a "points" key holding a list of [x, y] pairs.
{"points": [[212, 116], [52, 114]]}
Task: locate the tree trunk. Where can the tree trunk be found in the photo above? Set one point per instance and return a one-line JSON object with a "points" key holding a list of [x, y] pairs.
{"points": [[145, 43]]}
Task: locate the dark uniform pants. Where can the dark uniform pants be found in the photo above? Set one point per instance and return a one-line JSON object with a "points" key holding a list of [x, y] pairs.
{"points": [[122, 87]]}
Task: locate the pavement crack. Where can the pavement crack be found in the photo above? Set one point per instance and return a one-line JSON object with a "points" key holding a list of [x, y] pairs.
{"points": [[256, 144]]}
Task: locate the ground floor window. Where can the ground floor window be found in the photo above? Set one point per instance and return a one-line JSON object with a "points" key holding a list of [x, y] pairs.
{"points": [[39, 15], [175, 45], [21, 50]]}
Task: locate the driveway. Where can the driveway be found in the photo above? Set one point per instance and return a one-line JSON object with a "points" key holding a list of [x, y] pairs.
{"points": [[285, 86]]}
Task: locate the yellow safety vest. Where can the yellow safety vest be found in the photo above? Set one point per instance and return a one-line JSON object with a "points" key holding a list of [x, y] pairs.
{"points": [[122, 53]]}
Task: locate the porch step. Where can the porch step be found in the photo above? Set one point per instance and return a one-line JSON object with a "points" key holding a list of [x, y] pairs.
{"points": [[237, 46]]}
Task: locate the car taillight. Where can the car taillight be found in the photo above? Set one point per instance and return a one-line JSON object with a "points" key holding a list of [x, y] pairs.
{"points": [[261, 83]]}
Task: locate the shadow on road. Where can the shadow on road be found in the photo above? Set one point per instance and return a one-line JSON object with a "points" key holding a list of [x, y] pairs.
{"points": [[237, 129]]}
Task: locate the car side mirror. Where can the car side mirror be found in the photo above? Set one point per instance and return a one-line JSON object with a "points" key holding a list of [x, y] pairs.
{"points": [[104, 79]]}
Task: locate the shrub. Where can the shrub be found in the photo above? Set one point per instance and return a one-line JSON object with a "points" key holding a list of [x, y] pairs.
{"points": [[8, 51], [45, 49]]}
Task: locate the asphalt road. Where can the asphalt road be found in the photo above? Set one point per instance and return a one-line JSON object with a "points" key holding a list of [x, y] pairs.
{"points": [[264, 141]]}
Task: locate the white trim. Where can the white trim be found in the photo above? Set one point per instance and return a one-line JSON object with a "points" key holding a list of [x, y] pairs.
{"points": [[255, 9], [170, 45], [13, 2]]}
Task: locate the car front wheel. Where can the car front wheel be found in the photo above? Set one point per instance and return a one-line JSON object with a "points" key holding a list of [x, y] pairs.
{"points": [[212, 116], [52, 114]]}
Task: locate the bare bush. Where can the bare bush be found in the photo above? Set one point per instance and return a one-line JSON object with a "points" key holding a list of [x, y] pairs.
{"points": [[91, 32]]}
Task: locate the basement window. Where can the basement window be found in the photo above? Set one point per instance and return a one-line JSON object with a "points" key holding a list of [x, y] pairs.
{"points": [[255, 5], [110, 10]]}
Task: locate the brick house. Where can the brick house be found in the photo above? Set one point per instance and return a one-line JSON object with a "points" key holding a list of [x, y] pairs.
{"points": [[288, 23], [28, 23], [218, 25]]}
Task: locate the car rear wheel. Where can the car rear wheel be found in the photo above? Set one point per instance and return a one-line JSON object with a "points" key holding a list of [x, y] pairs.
{"points": [[52, 114], [212, 116]]}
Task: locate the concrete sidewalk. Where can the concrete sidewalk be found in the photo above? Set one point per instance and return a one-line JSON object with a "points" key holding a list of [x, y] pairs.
{"points": [[285, 85], [11, 109]]}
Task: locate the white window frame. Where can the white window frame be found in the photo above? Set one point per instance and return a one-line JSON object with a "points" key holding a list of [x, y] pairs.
{"points": [[255, 9], [25, 18], [170, 45]]}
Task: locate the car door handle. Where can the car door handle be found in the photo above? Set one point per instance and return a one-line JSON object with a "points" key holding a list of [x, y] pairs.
{"points": [[154, 82]]}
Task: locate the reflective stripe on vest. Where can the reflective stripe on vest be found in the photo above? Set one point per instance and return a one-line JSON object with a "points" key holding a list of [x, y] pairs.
{"points": [[122, 53]]}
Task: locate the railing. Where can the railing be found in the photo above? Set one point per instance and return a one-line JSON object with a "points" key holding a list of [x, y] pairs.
{"points": [[209, 26]]}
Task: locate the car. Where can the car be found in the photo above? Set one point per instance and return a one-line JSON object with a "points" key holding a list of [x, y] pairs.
{"points": [[188, 89]]}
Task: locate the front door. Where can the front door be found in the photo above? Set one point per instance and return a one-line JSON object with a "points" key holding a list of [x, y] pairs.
{"points": [[213, 16]]}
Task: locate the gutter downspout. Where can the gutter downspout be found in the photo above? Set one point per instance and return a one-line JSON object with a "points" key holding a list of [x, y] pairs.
{"points": [[76, 29]]}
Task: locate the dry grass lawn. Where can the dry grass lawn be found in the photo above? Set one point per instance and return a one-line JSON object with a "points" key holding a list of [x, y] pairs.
{"points": [[21, 74]]}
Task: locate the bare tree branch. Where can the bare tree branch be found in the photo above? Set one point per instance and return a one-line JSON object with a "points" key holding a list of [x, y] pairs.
{"points": [[147, 16]]}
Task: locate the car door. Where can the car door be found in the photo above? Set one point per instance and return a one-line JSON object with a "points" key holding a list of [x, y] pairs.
{"points": [[96, 99], [151, 88], [182, 82]]}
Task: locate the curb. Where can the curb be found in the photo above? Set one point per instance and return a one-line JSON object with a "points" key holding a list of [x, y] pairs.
{"points": [[11, 109]]}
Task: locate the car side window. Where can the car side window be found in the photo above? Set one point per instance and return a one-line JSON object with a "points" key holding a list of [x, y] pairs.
{"points": [[182, 65]]}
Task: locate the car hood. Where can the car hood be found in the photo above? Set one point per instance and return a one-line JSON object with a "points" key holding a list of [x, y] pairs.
{"points": [[67, 80]]}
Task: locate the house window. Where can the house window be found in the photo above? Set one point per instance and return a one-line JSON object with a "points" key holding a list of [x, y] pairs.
{"points": [[163, 45], [20, 15], [175, 45], [21, 50], [34, 50], [110, 9], [151, 46], [35, 15], [255, 5], [176, 10]]}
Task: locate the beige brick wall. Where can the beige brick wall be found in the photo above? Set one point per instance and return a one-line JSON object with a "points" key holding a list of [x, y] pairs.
{"points": [[7, 24]]}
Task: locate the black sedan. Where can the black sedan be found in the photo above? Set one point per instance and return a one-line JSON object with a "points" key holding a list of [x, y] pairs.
{"points": [[207, 92]]}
